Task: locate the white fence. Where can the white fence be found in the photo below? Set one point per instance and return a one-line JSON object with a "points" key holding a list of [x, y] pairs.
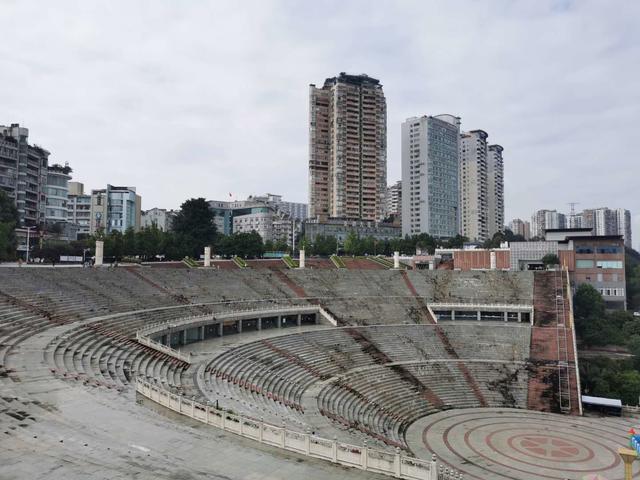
{"points": [[395, 464], [141, 339]]}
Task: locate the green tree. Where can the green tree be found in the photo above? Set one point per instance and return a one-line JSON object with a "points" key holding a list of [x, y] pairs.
{"points": [[351, 243], [627, 385], [194, 226], [588, 302], [550, 259], [129, 244], [8, 222]]}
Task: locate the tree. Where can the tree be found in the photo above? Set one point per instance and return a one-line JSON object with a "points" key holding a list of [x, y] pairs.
{"points": [[351, 243], [8, 222], [194, 226], [627, 385], [588, 302], [550, 259]]}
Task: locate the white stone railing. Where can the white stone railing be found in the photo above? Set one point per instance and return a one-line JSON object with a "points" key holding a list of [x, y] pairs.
{"points": [[141, 339], [395, 464], [143, 335]]}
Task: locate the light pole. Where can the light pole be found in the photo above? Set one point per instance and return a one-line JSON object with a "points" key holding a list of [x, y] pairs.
{"points": [[28, 241]]}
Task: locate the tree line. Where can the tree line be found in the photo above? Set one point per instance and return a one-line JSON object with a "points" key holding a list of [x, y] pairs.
{"points": [[605, 376]]}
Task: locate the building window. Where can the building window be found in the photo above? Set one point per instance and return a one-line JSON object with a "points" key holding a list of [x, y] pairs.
{"points": [[584, 263], [609, 264]]}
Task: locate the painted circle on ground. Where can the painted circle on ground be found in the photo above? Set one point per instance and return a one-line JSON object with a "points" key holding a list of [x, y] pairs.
{"points": [[550, 447], [514, 444]]}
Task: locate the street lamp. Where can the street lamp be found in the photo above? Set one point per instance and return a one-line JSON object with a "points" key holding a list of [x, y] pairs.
{"points": [[28, 242]]}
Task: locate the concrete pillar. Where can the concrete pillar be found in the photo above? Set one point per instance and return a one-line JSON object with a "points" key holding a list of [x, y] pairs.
{"points": [[207, 256], [479, 315], [301, 262], [220, 329], [519, 317], [239, 326], [201, 333], [396, 260], [317, 318], [628, 457], [183, 337], [506, 316], [396, 463], [299, 319], [99, 252], [493, 259], [279, 321], [259, 324], [364, 456], [453, 314]]}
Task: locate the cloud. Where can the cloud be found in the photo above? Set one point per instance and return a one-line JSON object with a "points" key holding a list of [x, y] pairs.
{"points": [[202, 99]]}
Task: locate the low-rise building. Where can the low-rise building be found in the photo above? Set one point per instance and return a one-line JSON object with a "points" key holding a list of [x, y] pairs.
{"points": [[160, 217], [115, 209], [340, 229], [79, 208]]}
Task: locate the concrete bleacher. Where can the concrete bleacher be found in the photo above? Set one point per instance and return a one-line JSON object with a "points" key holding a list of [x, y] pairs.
{"points": [[269, 378], [378, 399], [98, 311]]}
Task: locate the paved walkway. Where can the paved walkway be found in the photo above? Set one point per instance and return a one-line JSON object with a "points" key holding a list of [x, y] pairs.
{"points": [[60, 429], [498, 444]]}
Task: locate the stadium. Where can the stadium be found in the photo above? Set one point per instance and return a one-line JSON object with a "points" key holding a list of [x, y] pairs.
{"points": [[267, 372]]}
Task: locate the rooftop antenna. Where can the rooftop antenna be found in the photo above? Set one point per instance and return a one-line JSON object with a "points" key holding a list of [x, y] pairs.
{"points": [[573, 207]]}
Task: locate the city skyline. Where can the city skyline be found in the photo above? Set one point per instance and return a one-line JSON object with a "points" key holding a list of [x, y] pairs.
{"points": [[184, 98]]}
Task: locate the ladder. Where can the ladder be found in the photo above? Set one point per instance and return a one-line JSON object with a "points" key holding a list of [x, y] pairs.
{"points": [[564, 388]]}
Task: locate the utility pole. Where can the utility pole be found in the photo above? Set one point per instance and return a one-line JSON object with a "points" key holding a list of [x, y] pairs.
{"points": [[573, 207]]}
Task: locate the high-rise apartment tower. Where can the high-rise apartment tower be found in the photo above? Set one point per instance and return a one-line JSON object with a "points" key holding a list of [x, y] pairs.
{"points": [[347, 148]]}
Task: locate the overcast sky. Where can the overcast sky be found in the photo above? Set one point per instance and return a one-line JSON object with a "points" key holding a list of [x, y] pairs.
{"points": [[186, 99]]}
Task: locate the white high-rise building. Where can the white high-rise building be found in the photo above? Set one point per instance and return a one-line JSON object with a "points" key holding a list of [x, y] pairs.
{"points": [[544, 220], [430, 164], [481, 187], [394, 200], [495, 189], [473, 185], [606, 221], [623, 221]]}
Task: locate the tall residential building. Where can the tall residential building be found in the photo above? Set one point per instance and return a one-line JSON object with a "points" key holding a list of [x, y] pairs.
{"points": [[115, 209], [79, 208], [623, 220], [544, 220], [430, 164], [520, 227], [495, 189], [23, 174], [57, 194], [606, 221], [474, 204], [574, 220], [393, 202], [347, 148]]}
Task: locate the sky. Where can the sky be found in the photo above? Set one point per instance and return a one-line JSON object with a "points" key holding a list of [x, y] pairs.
{"points": [[193, 98]]}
